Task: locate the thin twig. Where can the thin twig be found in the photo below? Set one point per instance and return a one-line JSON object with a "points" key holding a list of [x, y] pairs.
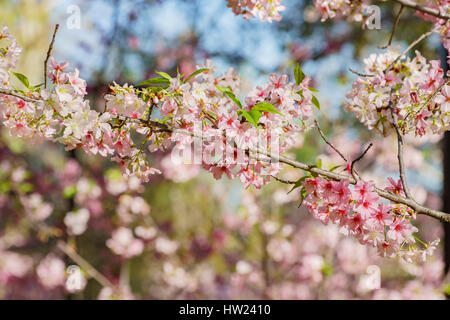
{"points": [[352, 170], [431, 97], [389, 67], [442, 216], [328, 142], [394, 28], [83, 263], [72, 254], [412, 45], [49, 52], [283, 180], [401, 164], [365, 75]]}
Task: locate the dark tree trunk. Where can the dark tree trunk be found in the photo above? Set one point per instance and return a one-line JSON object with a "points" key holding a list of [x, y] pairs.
{"points": [[446, 185], [446, 196]]}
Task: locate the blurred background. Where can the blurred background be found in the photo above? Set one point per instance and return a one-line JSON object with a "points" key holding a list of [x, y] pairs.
{"points": [[202, 238]]}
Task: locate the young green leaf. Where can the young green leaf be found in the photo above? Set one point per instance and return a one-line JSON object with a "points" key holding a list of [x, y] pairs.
{"points": [[299, 75], [196, 73], [336, 167], [250, 117], [230, 94], [154, 81], [298, 183], [34, 88], [315, 102], [319, 163], [265, 107], [164, 75], [22, 79], [302, 196]]}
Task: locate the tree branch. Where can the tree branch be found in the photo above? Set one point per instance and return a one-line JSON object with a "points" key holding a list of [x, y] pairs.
{"points": [[49, 52], [401, 164], [352, 170], [79, 260], [394, 28], [412, 45], [328, 142], [431, 11], [442, 216], [445, 217], [18, 95]]}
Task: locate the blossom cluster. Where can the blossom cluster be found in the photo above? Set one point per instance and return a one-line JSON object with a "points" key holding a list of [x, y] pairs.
{"points": [[9, 56], [207, 105], [62, 114], [410, 93], [305, 260], [265, 10], [338, 9], [442, 26], [359, 212]]}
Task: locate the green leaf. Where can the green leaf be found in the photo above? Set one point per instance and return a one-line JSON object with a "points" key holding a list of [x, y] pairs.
{"points": [[230, 94], [154, 81], [298, 183], [315, 102], [447, 290], [196, 73], [164, 75], [327, 269], [299, 75], [34, 88], [314, 175], [25, 187], [265, 107], [5, 187], [256, 115], [250, 117], [70, 191], [319, 163], [303, 196], [336, 167], [22, 79], [313, 89]]}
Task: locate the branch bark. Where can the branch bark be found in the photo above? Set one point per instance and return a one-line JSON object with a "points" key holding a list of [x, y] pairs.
{"points": [[424, 9], [394, 28], [442, 216], [18, 95], [49, 52]]}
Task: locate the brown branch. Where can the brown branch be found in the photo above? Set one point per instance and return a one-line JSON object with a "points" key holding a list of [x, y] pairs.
{"points": [[283, 180], [49, 52], [72, 254], [18, 95], [328, 142], [442, 216], [401, 164], [305, 167], [365, 75], [412, 45], [352, 169], [389, 67], [431, 11], [394, 28], [79, 260]]}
